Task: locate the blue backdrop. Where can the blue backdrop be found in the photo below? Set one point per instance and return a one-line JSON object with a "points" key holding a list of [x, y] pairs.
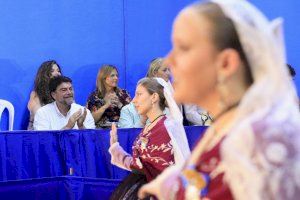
{"points": [[82, 35]]}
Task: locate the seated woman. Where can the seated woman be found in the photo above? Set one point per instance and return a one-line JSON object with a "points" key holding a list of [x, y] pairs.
{"points": [[160, 144], [107, 100], [129, 117], [192, 114], [158, 69], [229, 59], [40, 96]]}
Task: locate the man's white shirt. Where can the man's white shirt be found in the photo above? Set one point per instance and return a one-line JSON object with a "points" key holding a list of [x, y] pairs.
{"points": [[49, 117]]}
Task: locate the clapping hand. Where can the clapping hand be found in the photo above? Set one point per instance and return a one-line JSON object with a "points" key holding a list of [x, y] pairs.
{"points": [[109, 99], [112, 99], [81, 119], [73, 119], [76, 117]]}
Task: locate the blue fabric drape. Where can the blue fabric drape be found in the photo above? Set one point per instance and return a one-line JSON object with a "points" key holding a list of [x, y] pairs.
{"points": [[36, 164], [38, 154], [66, 187]]}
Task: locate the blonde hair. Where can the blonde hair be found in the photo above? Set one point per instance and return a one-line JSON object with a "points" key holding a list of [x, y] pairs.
{"points": [[154, 66], [103, 73]]}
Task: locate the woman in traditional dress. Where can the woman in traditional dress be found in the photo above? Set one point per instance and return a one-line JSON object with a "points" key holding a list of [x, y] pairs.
{"points": [[161, 143], [229, 59]]}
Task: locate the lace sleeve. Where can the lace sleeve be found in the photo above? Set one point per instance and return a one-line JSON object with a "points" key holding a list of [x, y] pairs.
{"points": [[119, 157], [263, 162]]}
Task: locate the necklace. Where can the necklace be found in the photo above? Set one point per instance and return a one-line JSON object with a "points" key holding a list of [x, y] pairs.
{"points": [[157, 118], [147, 128], [144, 139]]}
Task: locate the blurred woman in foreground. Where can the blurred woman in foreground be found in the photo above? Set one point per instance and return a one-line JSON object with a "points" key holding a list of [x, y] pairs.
{"points": [[229, 59]]}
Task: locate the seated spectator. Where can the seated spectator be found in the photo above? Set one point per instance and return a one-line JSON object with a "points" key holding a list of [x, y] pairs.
{"points": [[63, 113], [106, 102], [129, 117], [192, 114], [40, 96], [157, 69]]}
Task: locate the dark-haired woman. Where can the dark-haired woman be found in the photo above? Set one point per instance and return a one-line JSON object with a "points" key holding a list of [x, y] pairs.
{"points": [[40, 95]]}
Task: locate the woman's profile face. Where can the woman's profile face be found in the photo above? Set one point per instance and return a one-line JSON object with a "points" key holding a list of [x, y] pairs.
{"points": [[112, 79], [55, 71], [164, 73], [142, 100], [192, 59]]}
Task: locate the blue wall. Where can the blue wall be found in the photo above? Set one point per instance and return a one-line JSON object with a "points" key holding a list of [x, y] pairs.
{"points": [[82, 35], [289, 10]]}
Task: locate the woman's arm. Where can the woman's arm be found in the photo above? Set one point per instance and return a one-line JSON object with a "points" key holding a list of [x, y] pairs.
{"points": [[97, 106], [98, 113], [33, 103], [123, 97], [119, 157]]}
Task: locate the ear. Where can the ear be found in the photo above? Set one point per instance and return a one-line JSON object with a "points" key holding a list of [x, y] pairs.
{"points": [[228, 63], [53, 95], [154, 98]]}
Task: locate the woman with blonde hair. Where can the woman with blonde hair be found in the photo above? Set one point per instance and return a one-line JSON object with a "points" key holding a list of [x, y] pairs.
{"points": [[129, 116], [192, 114], [158, 69], [107, 100], [229, 59]]}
